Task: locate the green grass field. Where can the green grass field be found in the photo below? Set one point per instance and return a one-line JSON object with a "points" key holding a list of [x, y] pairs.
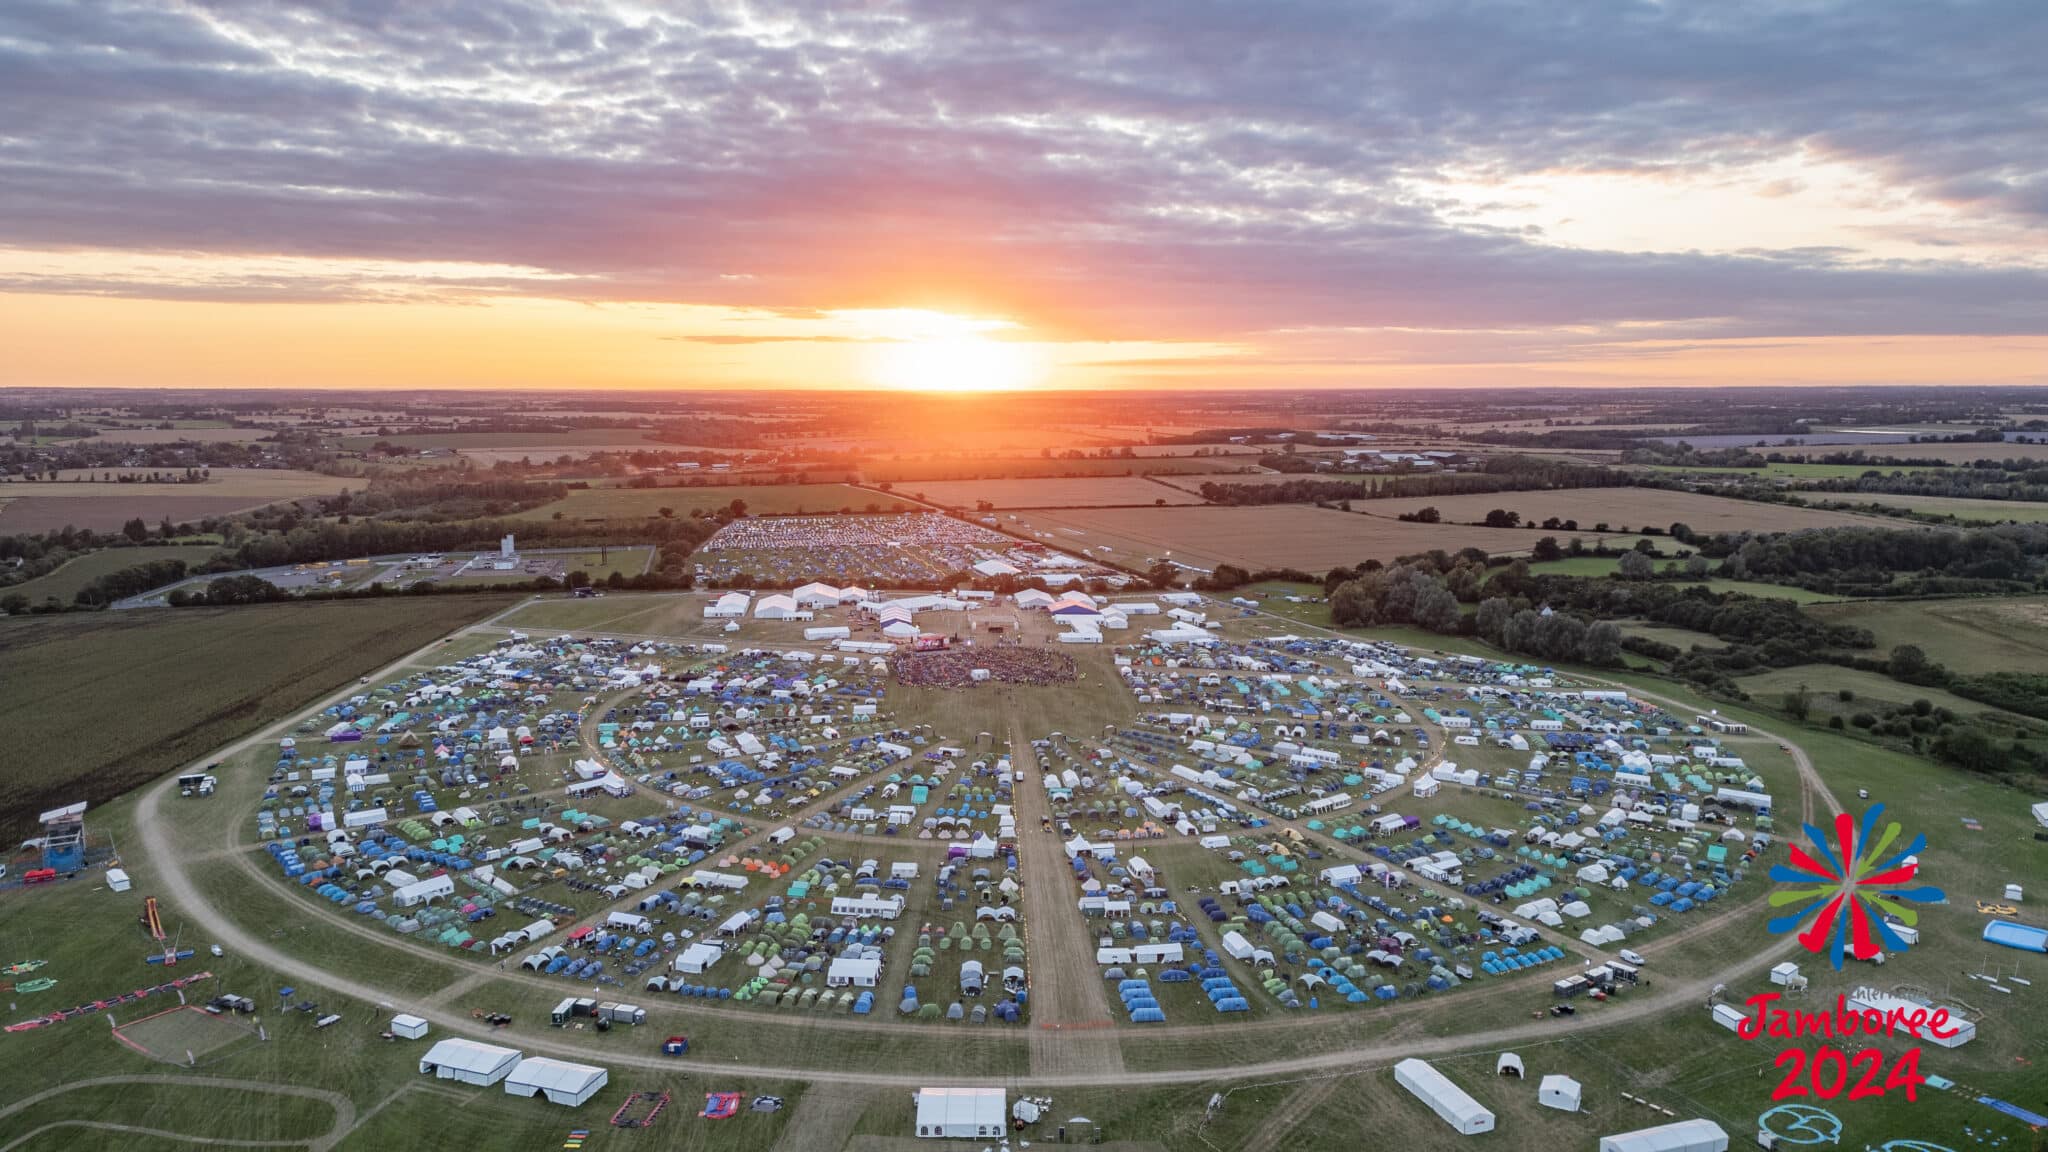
{"points": [[647, 503], [1968, 635], [1787, 471], [64, 583], [1980, 511], [1872, 691], [111, 699]]}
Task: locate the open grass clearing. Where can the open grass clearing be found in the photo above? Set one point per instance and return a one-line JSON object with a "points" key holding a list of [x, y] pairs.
{"points": [[1870, 692]]}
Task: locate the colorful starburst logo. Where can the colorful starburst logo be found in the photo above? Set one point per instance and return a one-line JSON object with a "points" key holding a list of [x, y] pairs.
{"points": [[1851, 884]]}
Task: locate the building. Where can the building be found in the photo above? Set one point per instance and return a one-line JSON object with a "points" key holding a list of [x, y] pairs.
{"points": [[854, 971], [1033, 598], [996, 568], [469, 1062], [1451, 1103], [868, 907], [408, 1027], [780, 607], [560, 1081], [424, 891], [1684, 1136], [961, 1113], [730, 606], [815, 595]]}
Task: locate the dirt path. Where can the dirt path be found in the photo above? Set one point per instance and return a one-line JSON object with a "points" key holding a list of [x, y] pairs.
{"points": [[1289, 1113], [1071, 1023], [344, 1111], [824, 1118]]}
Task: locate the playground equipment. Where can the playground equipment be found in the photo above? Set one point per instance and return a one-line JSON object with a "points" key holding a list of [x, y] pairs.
{"points": [[153, 921]]}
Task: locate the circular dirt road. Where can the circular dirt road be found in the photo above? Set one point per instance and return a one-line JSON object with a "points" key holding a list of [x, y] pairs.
{"points": [[177, 884]]}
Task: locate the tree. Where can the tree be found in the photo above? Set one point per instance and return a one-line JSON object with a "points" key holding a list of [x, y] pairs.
{"points": [[1907, 662], [1680, 531], [135, 530], [579, 579], [1696, 565], [1798, 704], [1602, 643], [1547, 549], [14, 604], [1503, 518], [1492, 618], [1435, 608], [1428, 515], [738, 508], [1635, 566], [667, 513], [1162, 575]]}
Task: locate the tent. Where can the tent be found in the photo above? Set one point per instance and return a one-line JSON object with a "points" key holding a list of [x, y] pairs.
{"points": [[408, 1027], [1559, 1092], [469, 1062], [961, 1113], [560, 1081], [1509, 1064], [1450, 1102], [1684, 1136]]}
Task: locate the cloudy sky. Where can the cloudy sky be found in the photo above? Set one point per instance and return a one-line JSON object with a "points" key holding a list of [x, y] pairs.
{"points": [[946, 194]]}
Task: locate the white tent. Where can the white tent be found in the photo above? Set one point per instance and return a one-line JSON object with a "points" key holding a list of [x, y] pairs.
{"points": [[1684, 1136], [560, 1081], [469, 1062], [408, 1027], [961, 1113], [1450, 1102], [1559, 1092]]}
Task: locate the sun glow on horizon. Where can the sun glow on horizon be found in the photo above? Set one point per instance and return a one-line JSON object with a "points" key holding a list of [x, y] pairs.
{"points": [[926, 351]]}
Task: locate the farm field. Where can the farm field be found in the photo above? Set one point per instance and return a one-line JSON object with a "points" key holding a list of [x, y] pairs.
{"points": [[1026, 467], [1952, 453], [40, 506], [1071, 492], [1260, 479], [2002, 634], [1624, 508], [577, 442], [1786, 470], [647, 503], [196, 435], [64, 583], [1986, 511], [1274, 536], [109, 700]]}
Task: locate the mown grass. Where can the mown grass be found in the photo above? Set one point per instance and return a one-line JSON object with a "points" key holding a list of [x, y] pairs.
{"points": [[96, 704]]}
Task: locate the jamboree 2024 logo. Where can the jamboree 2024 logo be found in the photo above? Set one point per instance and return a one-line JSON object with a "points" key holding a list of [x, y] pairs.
{"points": [[1848, 886]]}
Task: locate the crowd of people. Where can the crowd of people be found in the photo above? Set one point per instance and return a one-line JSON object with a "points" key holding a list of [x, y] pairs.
{"points": [[954, 667]]}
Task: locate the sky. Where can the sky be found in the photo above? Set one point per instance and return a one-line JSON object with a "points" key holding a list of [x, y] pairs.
{"points": [[938, 195]]}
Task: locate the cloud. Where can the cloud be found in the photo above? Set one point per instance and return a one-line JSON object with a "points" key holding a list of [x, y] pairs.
{"points": [[1143, 170]]}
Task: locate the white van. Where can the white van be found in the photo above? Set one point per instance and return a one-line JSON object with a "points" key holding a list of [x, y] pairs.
{"points": [[1632, 957]]}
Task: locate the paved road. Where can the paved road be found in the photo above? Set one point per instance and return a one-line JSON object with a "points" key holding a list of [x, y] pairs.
{"points": [[1057, 1071]]}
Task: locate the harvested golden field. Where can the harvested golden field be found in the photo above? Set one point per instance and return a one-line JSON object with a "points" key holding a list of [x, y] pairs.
{"points": [[1270, 536], [1065, 492], [39, 506], [904, 472], [1622, 509]]}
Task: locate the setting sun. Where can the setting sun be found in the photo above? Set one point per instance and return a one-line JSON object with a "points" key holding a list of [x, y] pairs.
{"points": [[924, 351]]}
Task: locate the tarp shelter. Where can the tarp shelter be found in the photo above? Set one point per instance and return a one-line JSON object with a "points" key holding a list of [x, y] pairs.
{"points": [[1451, 1103], [469, 1062], [1559, 1092], [408, 1027], [961, 1113], [1684, 1136], [560, 1081]]}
